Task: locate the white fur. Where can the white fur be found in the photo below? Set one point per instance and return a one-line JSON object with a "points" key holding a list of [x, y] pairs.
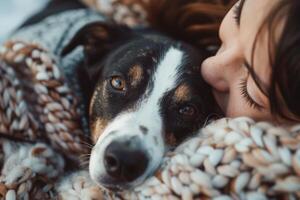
{"points": [[147, 114]]}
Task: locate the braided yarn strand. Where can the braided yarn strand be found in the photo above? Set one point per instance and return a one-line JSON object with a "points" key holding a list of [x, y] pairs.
{"points": [[35, 101], [230, 159]]}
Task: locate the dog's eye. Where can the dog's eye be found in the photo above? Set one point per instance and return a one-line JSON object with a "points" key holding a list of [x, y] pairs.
{"points": [[118, 83], [188, 111]]}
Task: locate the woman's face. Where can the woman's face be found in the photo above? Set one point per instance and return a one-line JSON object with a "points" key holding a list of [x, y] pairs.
{"points": [[234, 89]]}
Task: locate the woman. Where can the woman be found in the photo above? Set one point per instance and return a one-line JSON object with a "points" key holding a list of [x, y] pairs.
{"points": [[256, 71]]}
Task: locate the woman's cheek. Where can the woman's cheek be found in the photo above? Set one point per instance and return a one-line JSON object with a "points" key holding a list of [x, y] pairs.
{"points": [[238, 107]]}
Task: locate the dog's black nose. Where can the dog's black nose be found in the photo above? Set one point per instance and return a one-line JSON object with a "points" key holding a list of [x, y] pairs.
{"points": [[125, 160]]}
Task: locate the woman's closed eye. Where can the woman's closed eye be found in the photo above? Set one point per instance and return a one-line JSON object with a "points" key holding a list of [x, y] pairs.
{"points": [[244, 92], [238, 11]]}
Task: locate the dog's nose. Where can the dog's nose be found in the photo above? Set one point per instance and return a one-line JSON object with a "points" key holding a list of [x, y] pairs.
{"points": [[125, 160]]}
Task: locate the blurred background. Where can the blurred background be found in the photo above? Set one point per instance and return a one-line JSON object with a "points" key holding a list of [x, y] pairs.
{"points": [[14, 12], [197, 23]]}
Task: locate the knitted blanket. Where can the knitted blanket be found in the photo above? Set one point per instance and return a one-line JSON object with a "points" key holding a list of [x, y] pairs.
{"points": [[227, 159], [43, 137]]}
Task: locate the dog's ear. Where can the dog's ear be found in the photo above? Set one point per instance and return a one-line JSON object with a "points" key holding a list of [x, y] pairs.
{"points": [[97, 39]]}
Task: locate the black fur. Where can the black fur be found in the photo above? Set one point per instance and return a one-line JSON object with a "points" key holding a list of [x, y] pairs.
{"points": [[111, 50]]}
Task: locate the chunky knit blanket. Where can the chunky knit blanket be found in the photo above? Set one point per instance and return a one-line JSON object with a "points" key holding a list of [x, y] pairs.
{"points": [[43, 138], [227, 159]]}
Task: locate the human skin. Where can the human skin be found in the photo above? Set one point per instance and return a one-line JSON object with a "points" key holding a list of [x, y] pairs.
{"points": [[226, 69]]}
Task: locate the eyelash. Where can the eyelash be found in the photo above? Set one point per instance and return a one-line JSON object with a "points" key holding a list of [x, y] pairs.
{"points": [[246, 96], [237, 12]]}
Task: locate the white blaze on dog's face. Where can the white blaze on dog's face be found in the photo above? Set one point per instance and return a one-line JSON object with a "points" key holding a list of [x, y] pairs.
{"points": [[147, 96]]}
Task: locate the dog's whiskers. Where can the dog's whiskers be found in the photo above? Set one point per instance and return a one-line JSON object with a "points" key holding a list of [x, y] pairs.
{"points": [[84, 155], [84, 160], [90, 146], [84, 164], [210, 117]]}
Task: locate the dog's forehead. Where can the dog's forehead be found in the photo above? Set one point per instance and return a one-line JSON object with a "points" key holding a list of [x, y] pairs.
{"points": [[175, 72], [138, 48], [147, 52]]}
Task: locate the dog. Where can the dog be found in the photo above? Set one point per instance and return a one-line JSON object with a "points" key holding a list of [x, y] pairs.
{"points": [[143, 91], [145, 96]]}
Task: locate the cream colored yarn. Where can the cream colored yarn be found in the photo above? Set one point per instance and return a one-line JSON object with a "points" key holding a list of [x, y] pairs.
{"points": [[129, 12], [229, 159], [36, 103], [29, 171], [36, 107]]}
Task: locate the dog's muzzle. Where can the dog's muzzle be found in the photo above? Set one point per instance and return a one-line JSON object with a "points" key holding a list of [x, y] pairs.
{"points": [[125, 160], [127, 152]]}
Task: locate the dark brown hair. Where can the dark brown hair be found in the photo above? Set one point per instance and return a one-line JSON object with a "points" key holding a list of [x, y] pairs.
{"points": [[198, 21], [194, 21], [284, 57]]}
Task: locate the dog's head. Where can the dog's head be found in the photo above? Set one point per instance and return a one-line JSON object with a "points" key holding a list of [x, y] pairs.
{"points": [[146, 96]]}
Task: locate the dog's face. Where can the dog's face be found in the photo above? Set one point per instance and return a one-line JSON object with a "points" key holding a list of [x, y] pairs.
{"points": [[147, 96]]}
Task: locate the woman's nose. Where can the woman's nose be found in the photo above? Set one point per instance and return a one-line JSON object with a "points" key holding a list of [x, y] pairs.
{"points": [[219, 70]]}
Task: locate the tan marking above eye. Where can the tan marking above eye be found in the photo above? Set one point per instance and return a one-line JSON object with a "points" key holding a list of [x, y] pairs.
{"points": [[97, 128], [136, 75], [182, 93], [170, 139], [118, 83]]}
